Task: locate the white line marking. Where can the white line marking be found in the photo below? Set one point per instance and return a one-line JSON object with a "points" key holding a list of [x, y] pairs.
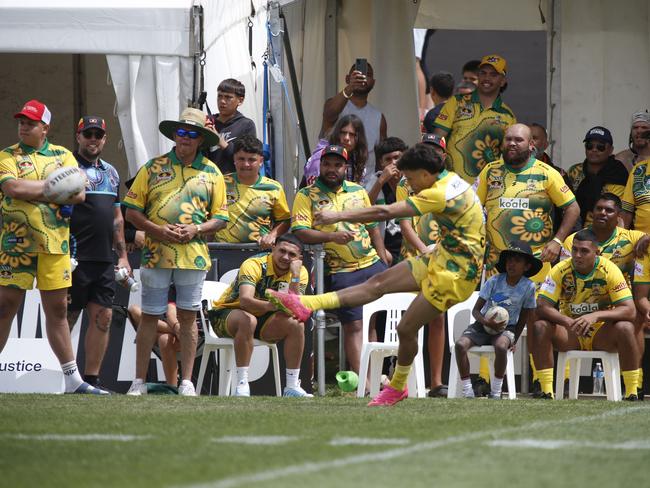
{"points": [[366, 441], [268, 440], [77, 437], [373, 457], [565, 444]]}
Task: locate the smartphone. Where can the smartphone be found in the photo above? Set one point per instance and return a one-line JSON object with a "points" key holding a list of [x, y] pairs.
{"points": [[361, 65]]}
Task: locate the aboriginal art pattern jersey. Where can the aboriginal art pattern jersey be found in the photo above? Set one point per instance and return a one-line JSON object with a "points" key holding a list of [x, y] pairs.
{"points": [[357, 254], [578, 294], [253, 210], [425, 226], [519, 205], [258, 272], [31, 226], [459, 215], [636, 197], [474, 133], [169, 192]]}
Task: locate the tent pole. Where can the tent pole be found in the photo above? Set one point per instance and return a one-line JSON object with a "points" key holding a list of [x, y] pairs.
{"points": [[199, 56]]}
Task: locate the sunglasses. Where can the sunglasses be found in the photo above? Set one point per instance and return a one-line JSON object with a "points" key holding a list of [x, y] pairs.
{"points": [[92, 134], [192, 134], [600, 147]]}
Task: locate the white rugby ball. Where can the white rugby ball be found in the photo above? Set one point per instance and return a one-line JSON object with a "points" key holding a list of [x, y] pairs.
{"points": [[499, 315], [63, 183]]}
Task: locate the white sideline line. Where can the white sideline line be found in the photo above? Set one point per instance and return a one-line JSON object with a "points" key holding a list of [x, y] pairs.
{"points": [[312, 467], [268, 440], [76, 437], [565, 444], [367, 441]]}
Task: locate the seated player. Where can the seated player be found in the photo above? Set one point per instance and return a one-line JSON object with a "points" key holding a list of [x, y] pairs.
{"points": [[446, 276], [257, 206], [596, 312], [243, 314], [641, 292], [513, 290]]}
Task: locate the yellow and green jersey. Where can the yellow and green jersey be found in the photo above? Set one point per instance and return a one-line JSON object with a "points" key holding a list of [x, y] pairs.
{"points": [[32, 226], [618, 248], [519, 206], [454, 205], [642, 270], [576, 174], [258, 272], [636, 196], [339, 258], [425, 226], [474, 133], [253, 210], [577, 294], [168, 192]]}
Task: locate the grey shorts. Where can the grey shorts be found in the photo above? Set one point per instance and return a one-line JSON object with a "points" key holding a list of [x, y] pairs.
{"points": [[476, 333], [155, 289]]}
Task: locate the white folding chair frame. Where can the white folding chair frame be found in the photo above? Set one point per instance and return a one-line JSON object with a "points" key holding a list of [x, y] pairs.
{"points": [[611, 368]]}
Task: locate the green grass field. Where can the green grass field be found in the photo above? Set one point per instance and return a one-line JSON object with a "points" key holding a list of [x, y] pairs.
{"points": [[49, 440]]}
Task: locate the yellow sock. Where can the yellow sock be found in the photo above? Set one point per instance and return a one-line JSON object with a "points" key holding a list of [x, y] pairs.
{"points": [[567, 371], [546, 380], [484, 368], [400, 375], [631, 380], [532, 367], [326, 301], [640, 377]]}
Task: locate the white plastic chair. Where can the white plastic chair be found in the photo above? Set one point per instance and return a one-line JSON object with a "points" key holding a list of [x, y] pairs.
{"points": [[373, 353], [229, 276], [458, 319], [226, 347], [611, 368]]}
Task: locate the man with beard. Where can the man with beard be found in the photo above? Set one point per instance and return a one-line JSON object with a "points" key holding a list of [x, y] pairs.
{"points": [[636, 197], [473, 124], [639, 143], [599, 172], [519, 193], [354, 252], [353, 99], [96, 230]]}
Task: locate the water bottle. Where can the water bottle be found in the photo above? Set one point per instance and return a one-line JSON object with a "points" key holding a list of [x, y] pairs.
{"points": [[598, 376], [123, 277]]}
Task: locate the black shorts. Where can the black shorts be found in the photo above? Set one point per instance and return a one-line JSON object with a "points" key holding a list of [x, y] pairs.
{"points": [[92, 282]]}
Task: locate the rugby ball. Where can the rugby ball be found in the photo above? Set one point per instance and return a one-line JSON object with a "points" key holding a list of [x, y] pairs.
{"points": [[63, 183], [499, 315]]}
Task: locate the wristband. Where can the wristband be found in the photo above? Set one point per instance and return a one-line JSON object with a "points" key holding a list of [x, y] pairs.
{"points": [[198, 228], [555, 239], [295, 280], [345, 94]]}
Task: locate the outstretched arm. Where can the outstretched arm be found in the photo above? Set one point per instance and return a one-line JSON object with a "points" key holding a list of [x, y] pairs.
{"points": [[375, 213]]}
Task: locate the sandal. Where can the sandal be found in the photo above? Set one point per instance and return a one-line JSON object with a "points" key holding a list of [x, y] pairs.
{"points": [[439, 391]]}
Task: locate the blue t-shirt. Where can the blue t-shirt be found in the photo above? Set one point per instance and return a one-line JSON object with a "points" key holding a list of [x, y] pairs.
{"points": [[497, 291]]}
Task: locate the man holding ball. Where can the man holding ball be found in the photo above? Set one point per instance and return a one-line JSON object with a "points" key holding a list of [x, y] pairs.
{"points": [[34, 241]]}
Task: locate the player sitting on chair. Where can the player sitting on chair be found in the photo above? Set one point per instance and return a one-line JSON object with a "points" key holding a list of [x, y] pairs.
{"points": [[512, 290], [595, 313], [243, 314]]}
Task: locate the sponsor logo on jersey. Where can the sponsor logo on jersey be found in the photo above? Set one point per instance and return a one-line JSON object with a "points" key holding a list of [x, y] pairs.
{"points": [[164, 176], [621, 286], [549, 285], [638, 268], [514, 203], [583, 308], [564, 189]]}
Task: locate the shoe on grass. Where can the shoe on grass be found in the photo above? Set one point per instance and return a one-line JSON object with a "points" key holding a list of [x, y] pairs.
{"points": [[536, 389], [186, 388], [481, 387], [296, 391], [88, 389], [388, 397], [631, 398], [439, 391], [545, 396], [494, 396], [138, 388], [289, 304], [243, 390]]}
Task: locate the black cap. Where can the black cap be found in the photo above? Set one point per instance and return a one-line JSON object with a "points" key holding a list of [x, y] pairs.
{"points": [[435, 139], [599, 133], [91, 122], [520, 248], [334, 149]]}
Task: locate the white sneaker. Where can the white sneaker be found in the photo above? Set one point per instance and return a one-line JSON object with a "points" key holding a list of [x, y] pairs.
{"points": [[186, 388], [296, 391], [138, 388], [243, 390]]}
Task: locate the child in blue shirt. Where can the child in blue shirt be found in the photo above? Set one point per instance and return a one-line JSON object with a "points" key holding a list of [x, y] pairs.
{"points": [[513, 290]]}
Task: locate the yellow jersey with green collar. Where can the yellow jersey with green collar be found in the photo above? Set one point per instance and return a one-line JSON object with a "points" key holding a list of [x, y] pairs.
{"points": [[636, 196], [258, 272], [425, 226], [576, 174], [339, 258], [168, 192], [577, 294], [519, 205], [618, 248], [253, 210], [455, 207], [32, 226], [474, 133]]}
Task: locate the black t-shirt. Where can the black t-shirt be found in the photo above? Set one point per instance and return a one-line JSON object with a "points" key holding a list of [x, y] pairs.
{"points": [[431, 117], [91, 223], [236, 127]]}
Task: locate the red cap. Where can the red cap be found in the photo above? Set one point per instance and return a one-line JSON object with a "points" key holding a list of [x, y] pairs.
{"points": [[35, 110]]}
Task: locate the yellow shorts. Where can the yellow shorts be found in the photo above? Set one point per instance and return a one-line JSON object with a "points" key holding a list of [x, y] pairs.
{"points": [[52, 271], [586, 342], [442, 288]]}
